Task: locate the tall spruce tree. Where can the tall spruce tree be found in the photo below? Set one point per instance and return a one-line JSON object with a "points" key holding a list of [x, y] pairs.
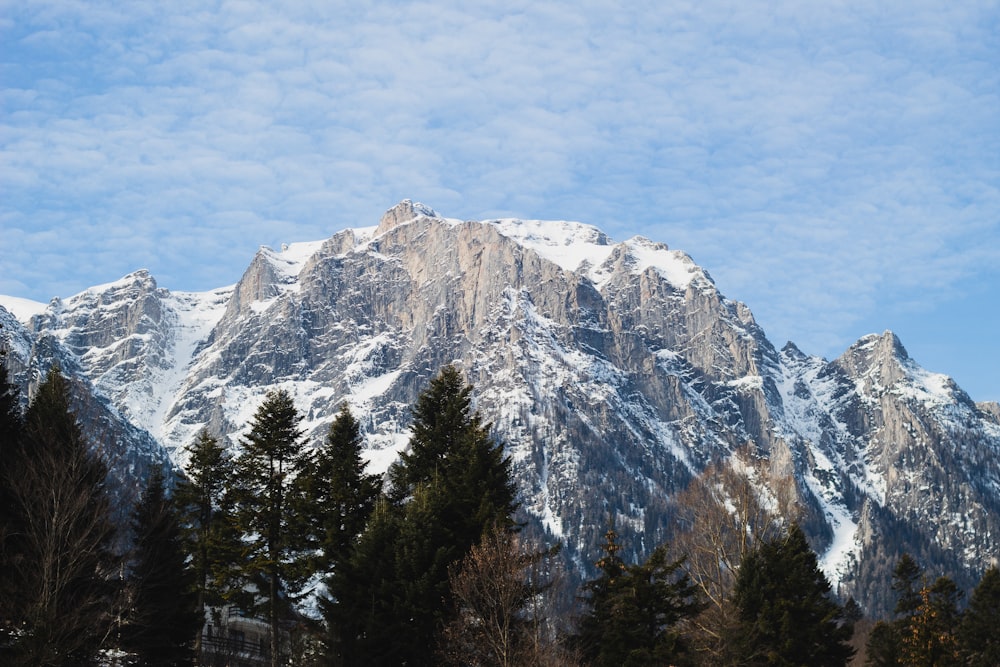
{"points": [[63, 611], [206, 512], [272, 455], [786, 613], [452, 485], [337, 495], [929, 638], [11, 521], [979, 642], [163, 618], [360, 611], [635, 609]]}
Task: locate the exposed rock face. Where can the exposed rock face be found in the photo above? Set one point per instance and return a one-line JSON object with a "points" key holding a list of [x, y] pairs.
{"points": [[130, 452], [613, 373]]}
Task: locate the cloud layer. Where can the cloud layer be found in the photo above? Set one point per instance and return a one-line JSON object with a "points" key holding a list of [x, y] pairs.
{"points": [[834, 166]]}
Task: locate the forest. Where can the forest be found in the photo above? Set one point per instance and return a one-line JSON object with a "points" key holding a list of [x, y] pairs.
{"points": [[285, 552]]}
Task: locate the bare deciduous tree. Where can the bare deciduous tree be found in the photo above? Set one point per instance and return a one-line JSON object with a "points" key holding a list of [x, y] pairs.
{"points": [[721, 517], [500, 607]]}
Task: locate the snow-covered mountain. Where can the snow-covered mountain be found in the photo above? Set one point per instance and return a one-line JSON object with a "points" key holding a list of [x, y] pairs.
{"points": [[613, 372]]}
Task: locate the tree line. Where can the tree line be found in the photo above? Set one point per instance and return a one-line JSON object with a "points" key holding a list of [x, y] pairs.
{"points": [[425, 565]]}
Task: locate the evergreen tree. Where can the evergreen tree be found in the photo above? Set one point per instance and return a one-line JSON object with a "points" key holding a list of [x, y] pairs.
{"points": [[163, 618], [906, 584], [928, 639], [207, 516], [67, 571], [884, 647], [338, 496], [11, 522], [787, 616], [634, 610], [979, 642], [360, 611], [272, 456], [451, 486]]}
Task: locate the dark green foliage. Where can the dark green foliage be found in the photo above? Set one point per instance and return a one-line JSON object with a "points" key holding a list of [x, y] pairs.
{"points": [[362, 603], [926, 623], [451, 486], [635, 610], [885, 643], [63, 608], [163, 618], [928, 636], [265, 511], [786, 614], [882, 648], [906, 585], [979, 631], [11, 523], [337, 495], [206, 513]]}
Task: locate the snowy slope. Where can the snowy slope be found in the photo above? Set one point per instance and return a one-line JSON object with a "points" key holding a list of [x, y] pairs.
{"points": [[613, 372]]}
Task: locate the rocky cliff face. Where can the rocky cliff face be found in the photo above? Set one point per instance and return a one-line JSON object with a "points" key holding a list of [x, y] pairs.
{"points": [[613, 372]]}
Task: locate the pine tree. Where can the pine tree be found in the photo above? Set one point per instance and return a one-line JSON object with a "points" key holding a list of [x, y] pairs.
{"points": [[787, 616], [338, 495], [979, 643], [451, 487], [635, 609], [163, 618], [272, 456], [906, 584], [360, 610], [882, 647], [928, 639], [11, 521], [207, 516], [885, 644], [64, 610]]}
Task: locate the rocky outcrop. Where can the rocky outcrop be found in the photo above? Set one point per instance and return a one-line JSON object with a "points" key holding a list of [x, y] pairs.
{"points": [[613, 373]]}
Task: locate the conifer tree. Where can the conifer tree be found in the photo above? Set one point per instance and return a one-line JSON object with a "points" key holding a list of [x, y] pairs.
{"points": [[163, 618], [929, 638], [906, 584], [979, 641], [360, 611], [67, 572], [884, 647], [337, 495], [271, 458], [634, 610], [207, 516], [11, 523], [450, 487], [786, 613]]}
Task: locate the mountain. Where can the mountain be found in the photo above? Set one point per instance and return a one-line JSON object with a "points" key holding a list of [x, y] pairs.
{"points": [[613, 372]]}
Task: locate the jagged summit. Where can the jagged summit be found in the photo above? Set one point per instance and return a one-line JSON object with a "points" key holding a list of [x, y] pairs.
{"points": [[612, 371], [403, 212]]}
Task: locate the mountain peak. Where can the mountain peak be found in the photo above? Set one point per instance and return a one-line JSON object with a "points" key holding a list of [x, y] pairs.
{"points": [[404, 212]]}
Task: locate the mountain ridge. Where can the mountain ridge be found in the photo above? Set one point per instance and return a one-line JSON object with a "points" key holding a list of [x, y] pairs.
{"points": [[613, 372]]}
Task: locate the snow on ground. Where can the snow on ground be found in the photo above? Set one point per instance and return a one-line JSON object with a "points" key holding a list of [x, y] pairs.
{"points": [[197, 314], [292, 257], [836, 560], [568, 244], [675, 266], [22, 309]]}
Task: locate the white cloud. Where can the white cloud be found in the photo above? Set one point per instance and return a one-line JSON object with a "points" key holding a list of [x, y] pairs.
{"points": [[825, 162]]}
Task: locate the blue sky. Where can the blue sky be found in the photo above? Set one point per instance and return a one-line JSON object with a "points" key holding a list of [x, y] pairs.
{"points": [[834, 165]]}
